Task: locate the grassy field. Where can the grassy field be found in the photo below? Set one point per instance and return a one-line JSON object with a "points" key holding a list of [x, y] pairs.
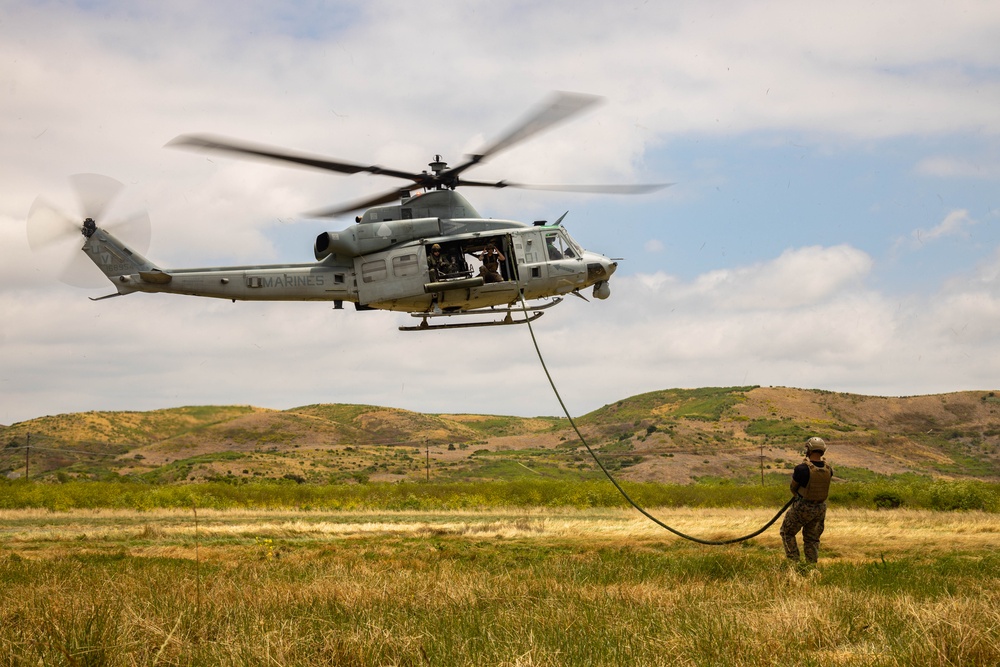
{"points": [[870, 492], [554, 586]]}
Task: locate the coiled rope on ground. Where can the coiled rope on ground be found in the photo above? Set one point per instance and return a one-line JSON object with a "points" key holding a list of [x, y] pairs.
{"points": [[611, 478]]}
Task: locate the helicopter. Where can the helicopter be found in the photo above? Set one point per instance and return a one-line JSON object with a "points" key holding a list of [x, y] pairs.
{"points": [[421, 249]]}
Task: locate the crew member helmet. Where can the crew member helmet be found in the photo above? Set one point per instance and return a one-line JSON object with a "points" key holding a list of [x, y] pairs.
{"points": [[815, 444], [435, 247]]}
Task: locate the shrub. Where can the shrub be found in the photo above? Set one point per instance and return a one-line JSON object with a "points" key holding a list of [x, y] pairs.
{"points": [[887, 500], [963, 496]]}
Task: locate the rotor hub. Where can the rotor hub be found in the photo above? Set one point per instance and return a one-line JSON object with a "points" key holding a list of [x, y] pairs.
{"points": [[89, 227], [438, 165]]}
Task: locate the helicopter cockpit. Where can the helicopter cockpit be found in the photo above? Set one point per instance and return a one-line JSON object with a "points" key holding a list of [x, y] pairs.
{"points": [[560, 245]]}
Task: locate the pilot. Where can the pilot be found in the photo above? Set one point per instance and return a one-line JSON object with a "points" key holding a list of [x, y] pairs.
{"points": [[550, 246], [491, 258]]}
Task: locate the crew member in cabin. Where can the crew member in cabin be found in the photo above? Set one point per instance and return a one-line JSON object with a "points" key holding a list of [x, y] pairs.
{"points": [[440, 265], [491, 258], [810, 486]]}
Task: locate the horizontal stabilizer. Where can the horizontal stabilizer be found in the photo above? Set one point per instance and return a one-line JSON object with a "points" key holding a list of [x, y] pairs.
{"points": [[155, 276]]}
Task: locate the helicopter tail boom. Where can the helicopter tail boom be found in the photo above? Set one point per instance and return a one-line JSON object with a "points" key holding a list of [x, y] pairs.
{"points": [[119, 263]]}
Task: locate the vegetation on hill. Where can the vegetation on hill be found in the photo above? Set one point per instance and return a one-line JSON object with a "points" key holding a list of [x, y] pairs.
{"points": [[680, 436]]}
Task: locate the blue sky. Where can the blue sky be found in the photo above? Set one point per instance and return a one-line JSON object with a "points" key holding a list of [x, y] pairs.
{"points": [[833, 222]]}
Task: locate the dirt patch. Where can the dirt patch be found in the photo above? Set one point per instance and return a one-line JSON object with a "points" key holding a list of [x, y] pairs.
{"points": [[782, 402], [914, 413]]}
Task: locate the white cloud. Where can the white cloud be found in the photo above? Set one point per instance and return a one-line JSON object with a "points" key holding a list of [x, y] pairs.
{"points": [[663, 333], [956, 223], [797, 277], [392, 84], [655, 332]]}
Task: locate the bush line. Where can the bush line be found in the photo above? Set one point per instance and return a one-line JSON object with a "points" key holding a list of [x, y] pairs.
{"points": [[284, 494]]}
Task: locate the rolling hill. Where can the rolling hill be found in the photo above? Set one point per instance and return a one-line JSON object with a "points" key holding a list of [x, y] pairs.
{"points": [[673, 435]]}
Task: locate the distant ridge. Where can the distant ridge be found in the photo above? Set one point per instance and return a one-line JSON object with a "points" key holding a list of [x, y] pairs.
{"points": [[672, 435]]}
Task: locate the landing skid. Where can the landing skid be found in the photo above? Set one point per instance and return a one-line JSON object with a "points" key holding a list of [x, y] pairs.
{"points": [[508, 319]]}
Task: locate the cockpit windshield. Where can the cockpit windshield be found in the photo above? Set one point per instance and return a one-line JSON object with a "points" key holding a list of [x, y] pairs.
{"points": [[560, 245]]}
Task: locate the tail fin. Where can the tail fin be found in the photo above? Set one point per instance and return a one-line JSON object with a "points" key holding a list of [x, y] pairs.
{"points": [[120, 264]]}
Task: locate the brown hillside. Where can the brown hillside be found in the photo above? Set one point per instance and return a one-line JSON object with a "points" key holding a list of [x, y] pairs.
{"points": [[674, 435]]}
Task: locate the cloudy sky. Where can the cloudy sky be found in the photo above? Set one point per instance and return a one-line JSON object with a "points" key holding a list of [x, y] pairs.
{"points": [[833, 222]]}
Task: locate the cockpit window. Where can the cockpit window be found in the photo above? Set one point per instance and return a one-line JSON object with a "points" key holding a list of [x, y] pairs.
{"points": [[572, 249], [560, 246], [552, 245]]}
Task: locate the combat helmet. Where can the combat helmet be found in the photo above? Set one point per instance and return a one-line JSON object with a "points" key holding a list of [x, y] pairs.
{"points": [[815, 444]]}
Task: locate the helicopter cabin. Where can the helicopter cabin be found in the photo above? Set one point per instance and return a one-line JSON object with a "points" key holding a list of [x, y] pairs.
{"points": [[472, 270]]}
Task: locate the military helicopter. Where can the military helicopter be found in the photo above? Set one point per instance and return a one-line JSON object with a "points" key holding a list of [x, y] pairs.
{"points": [[430, 254]]}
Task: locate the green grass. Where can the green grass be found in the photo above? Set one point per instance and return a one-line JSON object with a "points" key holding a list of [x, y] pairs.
{"points": [[539, 486], [335, 412], [526, 470], [498, 426], [707, 404], [124, 428], [178, 471]]}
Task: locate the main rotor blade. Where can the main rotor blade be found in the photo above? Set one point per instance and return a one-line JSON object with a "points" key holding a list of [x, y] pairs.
{"points": [[95, 192], [560, 107], [630, 189], [221, 144], [383, 198]]}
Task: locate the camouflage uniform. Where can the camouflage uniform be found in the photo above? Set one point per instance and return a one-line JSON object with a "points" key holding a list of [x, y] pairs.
{"points": [[439, 264], [490, 270], [810, 518], [811, 486]]}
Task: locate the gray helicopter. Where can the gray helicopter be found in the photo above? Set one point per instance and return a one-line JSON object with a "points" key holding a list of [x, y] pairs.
{"points": [[431, 254]]}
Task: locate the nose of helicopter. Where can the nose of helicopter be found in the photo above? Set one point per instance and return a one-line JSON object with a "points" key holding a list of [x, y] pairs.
{"points": [[599, 267], [599, 270]]}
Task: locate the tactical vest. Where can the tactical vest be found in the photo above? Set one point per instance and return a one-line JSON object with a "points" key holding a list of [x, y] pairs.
{"points": [[818, 487]]}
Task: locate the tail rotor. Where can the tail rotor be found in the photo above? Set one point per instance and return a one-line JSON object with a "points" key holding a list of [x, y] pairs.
{"points": [[59, 236]]}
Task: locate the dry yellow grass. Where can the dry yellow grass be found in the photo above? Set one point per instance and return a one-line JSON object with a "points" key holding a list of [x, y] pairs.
{"points": [[850, 534], [540, 587]]}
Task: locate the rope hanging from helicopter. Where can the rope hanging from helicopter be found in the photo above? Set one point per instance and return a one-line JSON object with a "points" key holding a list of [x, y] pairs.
{"points": [[611, 478]]}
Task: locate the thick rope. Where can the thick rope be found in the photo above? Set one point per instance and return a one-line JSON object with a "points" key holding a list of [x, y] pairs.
{"points": [[607, 474]]}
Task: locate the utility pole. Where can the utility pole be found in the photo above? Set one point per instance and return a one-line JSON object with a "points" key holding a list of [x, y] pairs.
{"points": [[762, 464], [27, 456], [428, 446]]}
